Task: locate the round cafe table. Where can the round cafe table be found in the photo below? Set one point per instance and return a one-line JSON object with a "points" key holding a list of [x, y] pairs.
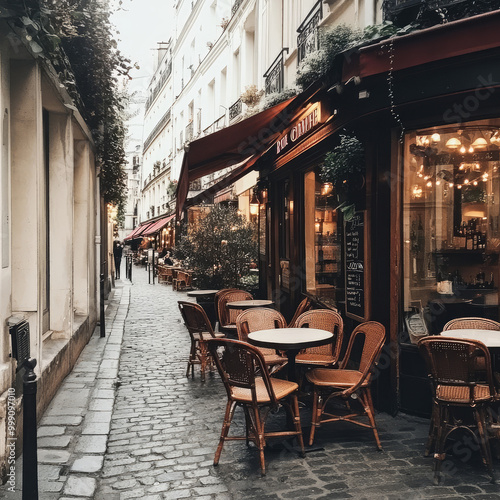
{"points": [[490, 338], [206, 300], [290, 340], [247, 304], [202, 293]]}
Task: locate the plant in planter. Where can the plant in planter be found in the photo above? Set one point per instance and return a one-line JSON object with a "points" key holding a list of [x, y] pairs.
{"points": [[344, 167]]}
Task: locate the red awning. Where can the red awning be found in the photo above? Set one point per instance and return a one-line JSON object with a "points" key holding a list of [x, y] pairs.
{"points": [[244, 141], [453, 39], [137, 232], [157, 225]]}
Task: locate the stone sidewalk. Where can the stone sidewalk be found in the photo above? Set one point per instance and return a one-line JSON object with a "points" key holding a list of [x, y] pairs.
{"points": [[73, 432], [129, 424]]}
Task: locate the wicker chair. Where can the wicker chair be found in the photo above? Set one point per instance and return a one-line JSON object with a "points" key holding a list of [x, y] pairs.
{"points": [[261, 318], [304, 306], [458, 383], [182, 281], [474, 323], [347, 385], [238, 363], [324, 319], [200, 330], [227, 317], [217, 297]]}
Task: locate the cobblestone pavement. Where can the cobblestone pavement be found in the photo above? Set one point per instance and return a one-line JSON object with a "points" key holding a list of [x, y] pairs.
{"points": [[158, 440]]}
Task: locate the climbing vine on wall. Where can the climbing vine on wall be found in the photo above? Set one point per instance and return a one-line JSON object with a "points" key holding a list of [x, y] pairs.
{"points": [[76, 38]]}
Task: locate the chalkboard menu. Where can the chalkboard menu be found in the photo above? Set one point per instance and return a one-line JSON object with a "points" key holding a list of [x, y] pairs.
{"points": [[356, 268]]}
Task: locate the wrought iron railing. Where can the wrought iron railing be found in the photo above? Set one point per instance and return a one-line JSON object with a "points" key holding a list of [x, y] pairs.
{"points": [[159, 127], [155, 91], [235, 109], [236, 6], [308, 34], [189, 131], [216, 125], [393, 8], [275, 75]]}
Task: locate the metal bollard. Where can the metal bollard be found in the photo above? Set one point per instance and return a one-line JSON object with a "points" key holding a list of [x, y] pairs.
{"points": [[102, 315], [130, 270], [30, 472]]}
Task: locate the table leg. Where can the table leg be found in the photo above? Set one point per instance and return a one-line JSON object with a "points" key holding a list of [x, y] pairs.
{"points": [[291, 355]]}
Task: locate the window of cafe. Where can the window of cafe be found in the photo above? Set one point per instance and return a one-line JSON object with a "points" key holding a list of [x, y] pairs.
{"points": [[323, 237], [451, 223]]}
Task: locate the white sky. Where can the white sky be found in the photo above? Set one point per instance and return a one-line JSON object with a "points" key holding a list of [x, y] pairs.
{"points": [[141, 24]]}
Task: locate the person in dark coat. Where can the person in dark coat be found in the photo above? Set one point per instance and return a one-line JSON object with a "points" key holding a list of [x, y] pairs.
{"points": [[117, 254]]}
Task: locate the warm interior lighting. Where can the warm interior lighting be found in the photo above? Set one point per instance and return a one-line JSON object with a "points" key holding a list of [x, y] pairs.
{"points": [[480, 143], [326, 188], [453, 143], [435, 137]]}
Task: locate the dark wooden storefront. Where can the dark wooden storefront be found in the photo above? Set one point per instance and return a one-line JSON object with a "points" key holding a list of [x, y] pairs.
{"points": [[416, 96]]}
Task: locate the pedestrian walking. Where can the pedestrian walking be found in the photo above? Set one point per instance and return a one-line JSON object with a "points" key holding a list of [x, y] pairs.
{"points": [[117, 254]]}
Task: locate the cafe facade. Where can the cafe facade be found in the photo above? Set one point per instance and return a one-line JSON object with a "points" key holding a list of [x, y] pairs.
{"points": [[417, 240]]}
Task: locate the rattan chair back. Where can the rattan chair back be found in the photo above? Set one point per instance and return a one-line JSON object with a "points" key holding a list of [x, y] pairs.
{"points": [[217, 297], [324, 319], [195, 319], [304, 306], [374, 336], [258, 318], [452, 363], [472, 323], [238, 363], [228, 316]]}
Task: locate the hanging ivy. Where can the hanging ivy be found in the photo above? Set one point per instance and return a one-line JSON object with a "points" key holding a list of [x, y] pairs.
{"points": [[76, 38]]}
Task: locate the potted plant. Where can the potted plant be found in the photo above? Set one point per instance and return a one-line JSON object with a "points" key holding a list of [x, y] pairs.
{"points": [[344, 167]]}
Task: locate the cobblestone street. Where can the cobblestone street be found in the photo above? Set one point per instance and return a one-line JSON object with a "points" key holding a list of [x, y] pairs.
{"points": [[164, 429]]}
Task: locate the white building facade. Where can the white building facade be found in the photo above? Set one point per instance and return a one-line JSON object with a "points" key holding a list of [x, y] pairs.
{"points": [[218, 50], [50, 240]]}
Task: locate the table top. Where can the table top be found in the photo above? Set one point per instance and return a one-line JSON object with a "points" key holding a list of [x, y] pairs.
{"points": [[490, 338], [198, 293], [245, 304], [290, 338]]}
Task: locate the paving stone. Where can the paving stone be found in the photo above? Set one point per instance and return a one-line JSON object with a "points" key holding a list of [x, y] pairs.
{"points": [[52, 456], [89, 463], [46, 430], [91, 444], [54, 442], [96, 428], [80, 486]]}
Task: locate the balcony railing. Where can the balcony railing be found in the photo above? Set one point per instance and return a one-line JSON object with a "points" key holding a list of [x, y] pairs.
{"points": [[189, 131], [159, 127], [274, 76], [236, 6], [216, 125], [235, 109], [308, 35], [408, 10], [156, 89]]}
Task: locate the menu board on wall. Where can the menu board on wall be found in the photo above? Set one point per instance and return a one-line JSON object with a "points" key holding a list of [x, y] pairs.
{"points": [[356, 268], [262, 229]]}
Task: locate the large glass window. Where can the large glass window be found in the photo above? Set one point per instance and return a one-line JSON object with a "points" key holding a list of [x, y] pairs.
{"points": [[323, 237], [451, 223]]}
